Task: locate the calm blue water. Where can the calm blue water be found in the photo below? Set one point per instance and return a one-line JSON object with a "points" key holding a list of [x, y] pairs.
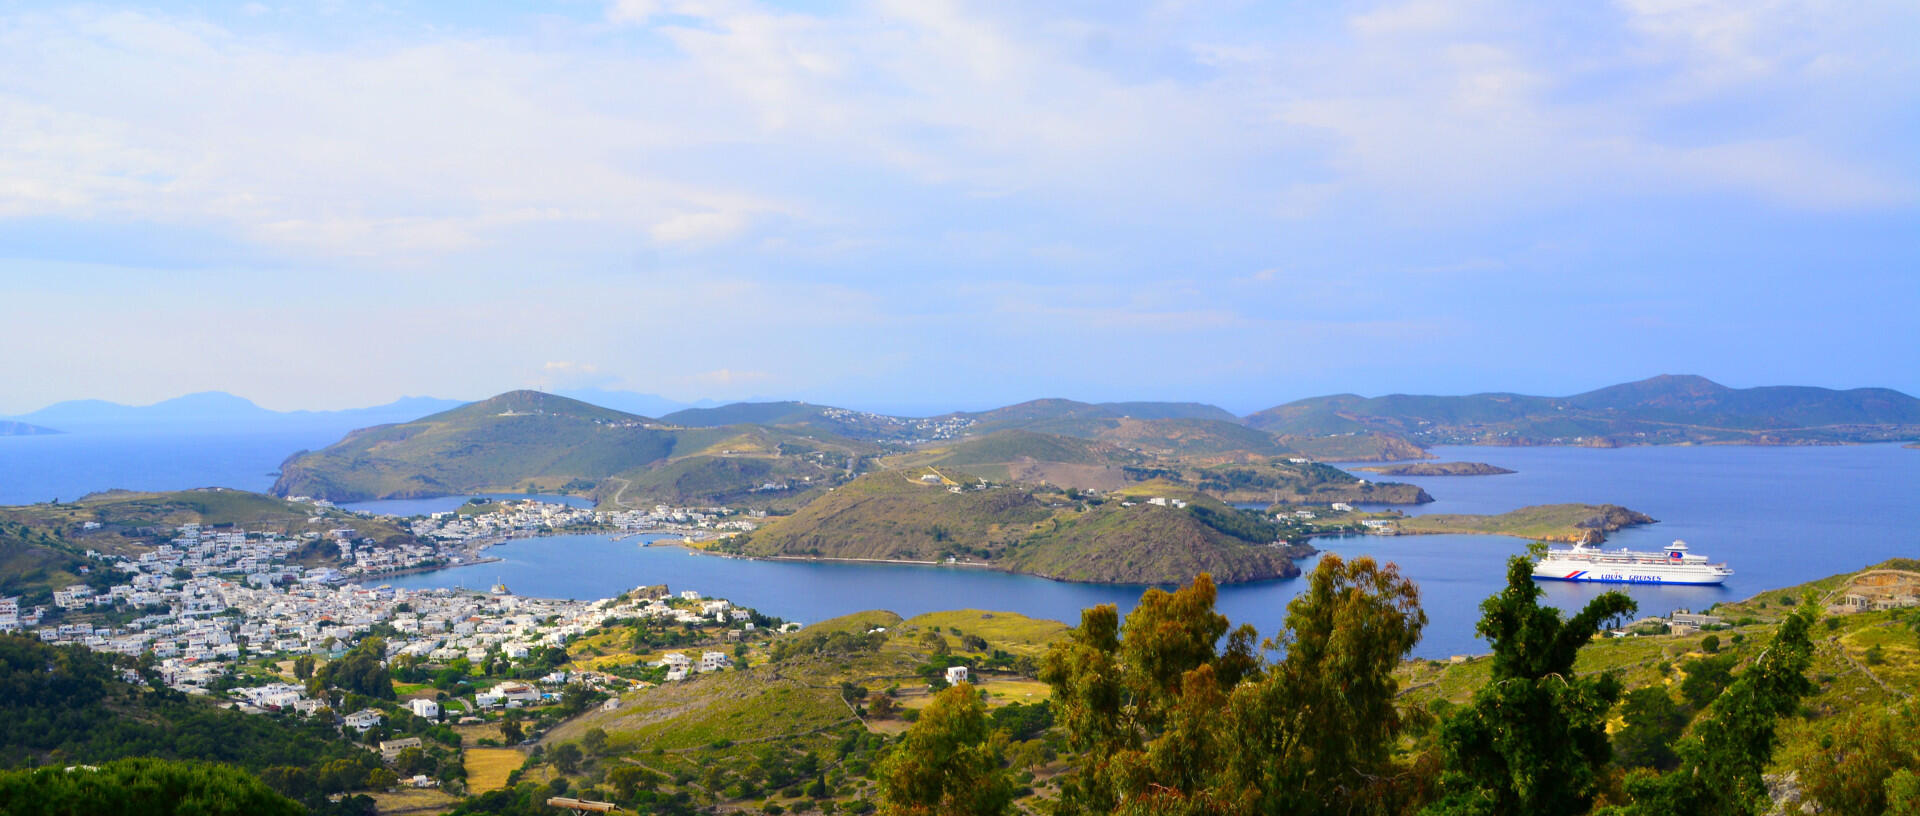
{"points": [[67, 466], [441, 504], [1779, 515]]}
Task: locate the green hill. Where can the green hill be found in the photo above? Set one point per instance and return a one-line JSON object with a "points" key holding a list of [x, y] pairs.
{"points": [[896, 516], [526, 439], [1667, 409]]}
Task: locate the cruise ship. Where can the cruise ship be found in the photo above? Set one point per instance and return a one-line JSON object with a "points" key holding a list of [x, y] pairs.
{"points": [[1674, 565]]}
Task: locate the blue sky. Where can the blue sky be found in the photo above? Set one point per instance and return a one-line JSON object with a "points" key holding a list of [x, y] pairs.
{"points": [[926, 204]]}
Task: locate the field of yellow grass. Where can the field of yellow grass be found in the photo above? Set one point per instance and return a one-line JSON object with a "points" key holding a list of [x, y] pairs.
{"points": [[487, 768], [414, 802]]}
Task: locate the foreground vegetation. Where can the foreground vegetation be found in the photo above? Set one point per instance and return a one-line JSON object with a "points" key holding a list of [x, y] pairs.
{"points": [[1169, 709]]}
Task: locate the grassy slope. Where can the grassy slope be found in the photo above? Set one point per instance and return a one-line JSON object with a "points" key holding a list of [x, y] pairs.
{"points": [[1842, 685], [1545, 522], [34, 562], [1146, 544], [890, 514], [730, 721], [1364, 446]]}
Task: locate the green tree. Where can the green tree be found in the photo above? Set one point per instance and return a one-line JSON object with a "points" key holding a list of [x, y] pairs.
{"points": [[510, 732], [1721, 760], [949, 763], [141, 787], [1533, 742], [1710, 644], [1853, 772], [1169, 721], [565, 757], [1706, 678], [303, 667], [1316, 732], [362, 670], [1116, 696], [1653, 723]]}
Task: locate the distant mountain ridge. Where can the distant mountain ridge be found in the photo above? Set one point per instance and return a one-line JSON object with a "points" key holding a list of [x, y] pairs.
{"points": [[1667, 409], [218, 408]]}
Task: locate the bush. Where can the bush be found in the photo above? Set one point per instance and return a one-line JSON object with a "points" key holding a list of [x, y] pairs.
{"points": [[1710, 644]]}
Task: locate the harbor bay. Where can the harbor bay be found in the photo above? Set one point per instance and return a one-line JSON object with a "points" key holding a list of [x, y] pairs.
{"points": [[1777, 515]]}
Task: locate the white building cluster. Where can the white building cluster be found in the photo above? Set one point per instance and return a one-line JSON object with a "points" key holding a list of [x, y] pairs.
{"points": [[516, 517]]}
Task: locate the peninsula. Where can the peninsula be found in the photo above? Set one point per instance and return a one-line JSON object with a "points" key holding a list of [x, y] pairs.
{"points": [[1572, 523], [1437, 469], [1153, 533], [10, 427]]}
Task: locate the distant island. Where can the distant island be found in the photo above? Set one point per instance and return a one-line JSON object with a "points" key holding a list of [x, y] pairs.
{"points": [[1663, 410], [1437, 469], [11, 428], [1571, 523]]}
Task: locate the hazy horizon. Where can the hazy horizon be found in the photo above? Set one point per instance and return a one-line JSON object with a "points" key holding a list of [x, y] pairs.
{"points": [[897, 409]]}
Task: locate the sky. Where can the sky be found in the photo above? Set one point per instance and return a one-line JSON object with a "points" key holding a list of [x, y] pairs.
{"points": [[932, 205]]}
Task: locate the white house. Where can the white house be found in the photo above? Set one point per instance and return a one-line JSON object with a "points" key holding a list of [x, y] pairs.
{"points": [[390, 749], [714, 661], [516, 692], [956, 675], [424, 709], [677, 661], [363, 720]]}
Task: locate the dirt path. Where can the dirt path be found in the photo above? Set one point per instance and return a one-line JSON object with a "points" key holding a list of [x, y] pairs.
{"points": [[617, 496]]}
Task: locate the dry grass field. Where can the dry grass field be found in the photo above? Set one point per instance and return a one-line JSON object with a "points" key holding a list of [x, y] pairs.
{"points": [[487, 768], [414, 802]]}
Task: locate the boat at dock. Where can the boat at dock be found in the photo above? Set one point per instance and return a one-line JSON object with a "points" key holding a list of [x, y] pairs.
{"points": [[1673, 565]]}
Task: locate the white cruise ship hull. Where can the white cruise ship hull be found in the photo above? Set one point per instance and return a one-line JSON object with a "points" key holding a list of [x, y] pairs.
{"points": [[1558, 569]]}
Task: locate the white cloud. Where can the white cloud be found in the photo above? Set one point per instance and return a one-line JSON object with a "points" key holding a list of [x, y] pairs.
{"points": [[698, 227], [737, 119]]}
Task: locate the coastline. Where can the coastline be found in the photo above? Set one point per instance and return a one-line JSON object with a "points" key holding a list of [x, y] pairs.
{"points": [[905, 562]]}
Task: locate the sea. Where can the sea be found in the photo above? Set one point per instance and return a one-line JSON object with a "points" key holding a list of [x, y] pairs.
{"points": [[1778, 515]]}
